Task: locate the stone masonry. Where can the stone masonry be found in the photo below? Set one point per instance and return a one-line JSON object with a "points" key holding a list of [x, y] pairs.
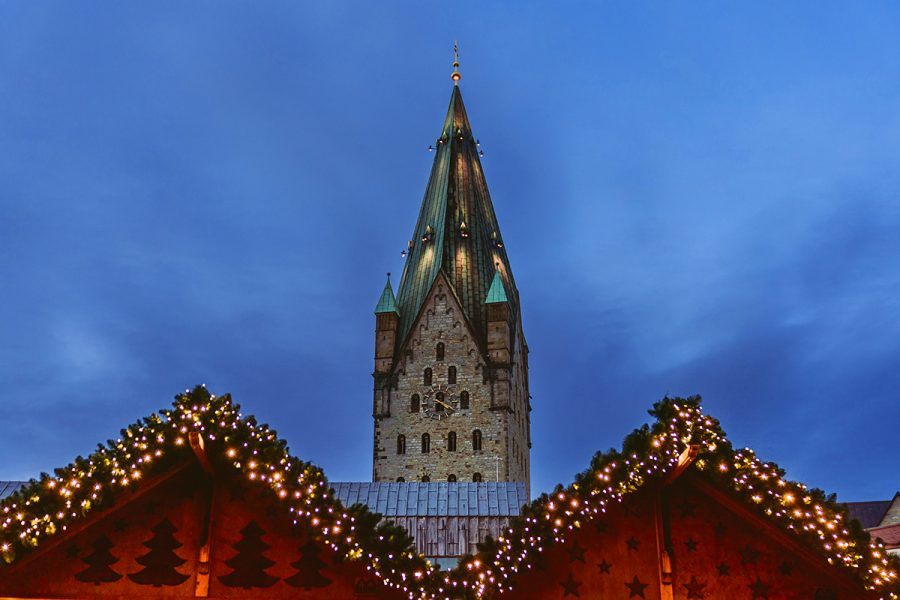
{"points": [[498, 402]]}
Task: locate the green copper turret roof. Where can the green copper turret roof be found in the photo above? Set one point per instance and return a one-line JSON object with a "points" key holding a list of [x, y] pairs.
{"points": [[497, 293], [387, 303], [456, 232]]}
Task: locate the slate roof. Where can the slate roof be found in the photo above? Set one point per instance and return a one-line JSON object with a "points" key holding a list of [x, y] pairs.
{"points": [[456, 196], [869, 514], [490, 498], [7, 488]]}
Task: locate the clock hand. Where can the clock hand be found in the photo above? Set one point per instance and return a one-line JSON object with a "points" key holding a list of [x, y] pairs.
{"points": [[442, 403]]}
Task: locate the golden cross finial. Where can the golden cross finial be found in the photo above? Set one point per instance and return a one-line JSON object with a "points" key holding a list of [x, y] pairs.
{"points": [[455, 76]]}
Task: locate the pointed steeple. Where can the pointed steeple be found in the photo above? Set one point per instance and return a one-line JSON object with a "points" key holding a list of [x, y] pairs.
{"points": [[497, 293], [457, 232], [387, 303]]}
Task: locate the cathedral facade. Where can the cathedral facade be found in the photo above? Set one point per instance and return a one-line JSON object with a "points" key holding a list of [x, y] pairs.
{"points": [[451, 399]]}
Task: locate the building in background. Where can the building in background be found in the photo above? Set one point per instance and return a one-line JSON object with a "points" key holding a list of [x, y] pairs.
{"points": [[881, 518], [451, 363]]}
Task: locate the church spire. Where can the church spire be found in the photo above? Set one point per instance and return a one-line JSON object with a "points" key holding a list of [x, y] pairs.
{"points": [[456, 75], [457, 233]]}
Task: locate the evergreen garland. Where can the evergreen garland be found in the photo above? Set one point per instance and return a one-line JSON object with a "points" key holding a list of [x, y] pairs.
{"points": [[48, 505]]}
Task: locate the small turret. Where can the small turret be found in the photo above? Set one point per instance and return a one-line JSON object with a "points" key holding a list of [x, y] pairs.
{"points": [[498, 337], [387, 318]]}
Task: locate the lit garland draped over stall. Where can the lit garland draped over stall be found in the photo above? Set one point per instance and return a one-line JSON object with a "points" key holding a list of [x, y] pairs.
{"points": [[48, 506], [649, 453]]}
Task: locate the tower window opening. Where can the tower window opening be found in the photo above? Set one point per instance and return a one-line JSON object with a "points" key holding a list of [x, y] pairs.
{"points": [[439, 351], [464, 400], [425, 478], [400, 480], [451, 478], [451, 441], [476, 440], [401, 444], [476, 477], [451, 375], [426, 377], [414, 403], [426, 443]]}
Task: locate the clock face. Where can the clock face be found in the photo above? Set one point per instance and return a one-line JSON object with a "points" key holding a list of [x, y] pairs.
{"points": [[439, 402]]}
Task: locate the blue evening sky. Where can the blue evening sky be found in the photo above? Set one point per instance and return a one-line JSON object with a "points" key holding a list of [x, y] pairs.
{"points": [[696, 197]]}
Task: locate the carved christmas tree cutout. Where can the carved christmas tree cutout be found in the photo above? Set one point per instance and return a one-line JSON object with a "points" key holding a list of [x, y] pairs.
{"points": [[99, 560], [308, 575], [249, 565], [160, 562]]}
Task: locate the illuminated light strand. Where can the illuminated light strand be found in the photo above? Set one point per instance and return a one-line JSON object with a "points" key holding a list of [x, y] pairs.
{"points": [[46, 507]]}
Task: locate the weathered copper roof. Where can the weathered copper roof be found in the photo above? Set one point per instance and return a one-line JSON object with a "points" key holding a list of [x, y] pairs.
{"points": [[437, 499], [387, 303], [456, 232], [497, 293]]}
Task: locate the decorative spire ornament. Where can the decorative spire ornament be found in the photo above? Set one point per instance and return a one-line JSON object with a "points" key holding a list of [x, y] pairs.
{"points": [[456, 75]]}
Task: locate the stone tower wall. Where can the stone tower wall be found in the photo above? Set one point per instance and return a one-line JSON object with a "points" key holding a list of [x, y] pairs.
{"points": [[504, 429]]}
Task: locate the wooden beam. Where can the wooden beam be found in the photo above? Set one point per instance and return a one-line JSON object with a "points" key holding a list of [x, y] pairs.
{"points": [[666, 577], [201, 589], [199, 448], [685, 460]]}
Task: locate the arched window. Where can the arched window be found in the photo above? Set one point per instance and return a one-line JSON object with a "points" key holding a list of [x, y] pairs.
{"points": [[451, 375], [476, 477], [476, 440], [400, 480], [439, 351], [426, 443], [451, 478], [414, 403], [426, 478], [439, 402], [451, 441], [464, 400], [401, 444], [426, 377]]}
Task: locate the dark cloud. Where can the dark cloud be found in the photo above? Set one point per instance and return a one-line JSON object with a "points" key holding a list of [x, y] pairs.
{"points": [[693, 203]]}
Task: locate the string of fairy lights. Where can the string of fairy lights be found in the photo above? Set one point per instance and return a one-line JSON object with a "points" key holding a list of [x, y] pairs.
{"points": [[50, 505]]}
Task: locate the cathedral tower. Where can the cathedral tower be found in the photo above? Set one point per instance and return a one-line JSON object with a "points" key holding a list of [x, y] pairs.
{"points": [[451, 363]]}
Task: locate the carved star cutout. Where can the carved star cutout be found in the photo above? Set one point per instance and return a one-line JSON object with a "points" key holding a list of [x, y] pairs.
{"points": [[120, 525], [632, 543], [687, 508], [72, 551], [694, 588], [723, 569], [604, 567], [632, 510], [635, 588], [719, 528], [691, 544], [601, 526], [759, 589], [576, 552], [749, 555], [786, 569], [570, 586]]}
